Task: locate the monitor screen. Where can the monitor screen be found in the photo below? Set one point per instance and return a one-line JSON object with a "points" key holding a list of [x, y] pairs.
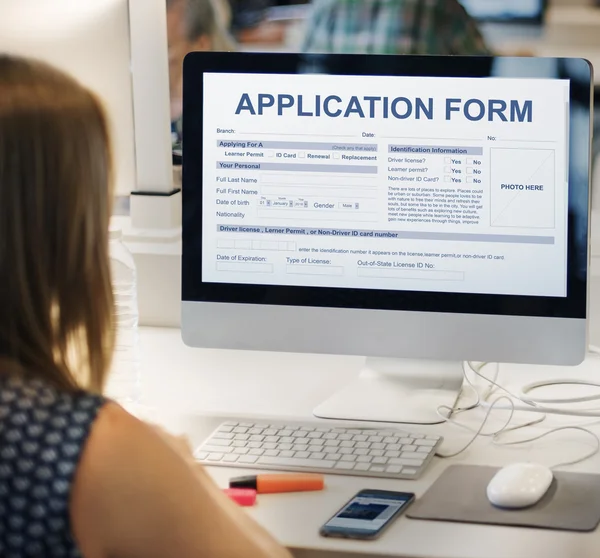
{"points": [[505, 10], [401, 183], [443, 184]]}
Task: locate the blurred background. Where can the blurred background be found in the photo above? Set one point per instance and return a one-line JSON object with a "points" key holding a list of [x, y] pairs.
{"points": [[461, 27]]}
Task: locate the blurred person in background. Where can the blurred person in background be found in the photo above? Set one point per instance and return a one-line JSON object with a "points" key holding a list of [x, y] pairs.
{"points": [[392, 27], [192, 25], [250, 25]]}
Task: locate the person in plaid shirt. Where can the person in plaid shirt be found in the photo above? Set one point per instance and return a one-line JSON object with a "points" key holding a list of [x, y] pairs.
{"points": [[392, 27]]}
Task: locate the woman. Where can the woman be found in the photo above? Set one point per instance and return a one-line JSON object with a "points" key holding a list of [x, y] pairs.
{"points": [[78, 475]]}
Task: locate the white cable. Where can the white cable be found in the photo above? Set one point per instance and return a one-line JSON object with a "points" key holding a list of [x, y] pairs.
{"points": [[589, 455], [532, 405]]}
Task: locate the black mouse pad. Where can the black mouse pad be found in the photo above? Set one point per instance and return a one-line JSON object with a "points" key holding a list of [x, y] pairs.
{"points": [[571, 504]]}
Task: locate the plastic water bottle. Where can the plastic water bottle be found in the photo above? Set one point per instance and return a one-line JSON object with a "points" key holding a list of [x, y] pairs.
{"points": [[124, 381]]}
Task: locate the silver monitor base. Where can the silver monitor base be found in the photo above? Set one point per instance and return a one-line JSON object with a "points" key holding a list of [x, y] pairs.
{"points": [[397, 391]]}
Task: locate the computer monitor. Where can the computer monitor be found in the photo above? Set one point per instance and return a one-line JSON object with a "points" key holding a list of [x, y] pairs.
{"points": [[511, 11], [419, 211]]}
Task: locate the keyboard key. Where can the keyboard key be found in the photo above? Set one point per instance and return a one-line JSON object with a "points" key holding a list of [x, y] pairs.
{"points": [[307, 428], [345, 451], [392, 454], [201, 455], [391, 440], [317, 443], [270, 432], [362, 451], [287, 440], [407, 441], [363, 445], [247, 424], [256, 438], [286, 454], [241, 451], [272, 439], [255, 431], [344, 437], [408, 471], [347, 444], [214, 457], [374, 439], [333, 457], [345, 465], [240, 430], [269, 446], [412, 455], [239, 444], [254, 445], [364, 459], [315, 434], [290, 462], [229, 423], [417, 436], [256, 452], [394, 447], [305, 454], [394, 469], [409, 448], [323, 429], [332, 443], [378, 446], [406, 462], [348, 458], [424, 449], [301, 447], [216, 449], [360, 438], [362, 467], [377, 469], [376, 453], [249, 459], [284, 447], [231, 458], [218, 442], [425, 443], [223, 436], [272, 453], [285, 432], [242, 437], [353, 431], [330, 436], [315, 455], [379, 461], [299, 434]]}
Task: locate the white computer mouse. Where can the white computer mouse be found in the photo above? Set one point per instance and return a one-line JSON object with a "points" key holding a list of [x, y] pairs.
{"points": [[519, 485]]}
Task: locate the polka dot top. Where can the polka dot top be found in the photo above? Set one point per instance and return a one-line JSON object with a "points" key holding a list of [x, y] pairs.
{"points": [[42, 434]]}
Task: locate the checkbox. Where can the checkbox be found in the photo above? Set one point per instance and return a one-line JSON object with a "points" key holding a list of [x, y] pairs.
{"points": [[447, 179], [448, 170], [470, 161], [469, 170], [448, 161], [336, 155], [301, 155], [270, 154], [469, 180]]}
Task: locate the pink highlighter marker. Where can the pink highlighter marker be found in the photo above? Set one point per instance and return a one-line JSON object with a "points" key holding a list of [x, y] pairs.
{"points": [[242, 496]]}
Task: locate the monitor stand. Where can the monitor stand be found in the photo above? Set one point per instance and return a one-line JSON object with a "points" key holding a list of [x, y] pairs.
{"points": [[398, 391]]}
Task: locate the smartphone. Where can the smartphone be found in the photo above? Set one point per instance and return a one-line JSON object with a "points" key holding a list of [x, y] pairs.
{"points": [[367, 514]]}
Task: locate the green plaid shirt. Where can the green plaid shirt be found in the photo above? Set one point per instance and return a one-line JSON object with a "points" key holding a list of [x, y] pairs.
{"points": [[392, 27]]}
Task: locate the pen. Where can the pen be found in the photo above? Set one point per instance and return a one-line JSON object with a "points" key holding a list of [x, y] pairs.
{"points": [[275, 483]]}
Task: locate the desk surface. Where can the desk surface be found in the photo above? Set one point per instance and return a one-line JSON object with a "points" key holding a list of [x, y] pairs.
{"points": [[188, 389]]}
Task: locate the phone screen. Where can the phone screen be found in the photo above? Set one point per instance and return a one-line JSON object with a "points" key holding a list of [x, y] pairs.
{"points": [[367, 513]]}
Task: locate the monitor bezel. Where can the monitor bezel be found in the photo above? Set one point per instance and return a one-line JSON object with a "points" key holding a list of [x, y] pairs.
{"points": [[194, 289]]}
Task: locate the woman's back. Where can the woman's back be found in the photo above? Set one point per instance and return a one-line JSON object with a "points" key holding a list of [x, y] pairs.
{"points": [[42, 434]]}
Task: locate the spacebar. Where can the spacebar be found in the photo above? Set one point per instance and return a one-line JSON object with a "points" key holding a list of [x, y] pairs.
{"points": [[291, 462]]}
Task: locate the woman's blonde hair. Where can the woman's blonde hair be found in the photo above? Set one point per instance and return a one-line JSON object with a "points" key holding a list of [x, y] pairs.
{"points": [[56, 302]]}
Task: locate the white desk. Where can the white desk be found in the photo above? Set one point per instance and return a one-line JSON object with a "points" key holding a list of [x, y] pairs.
{"points": [[187, 385]]}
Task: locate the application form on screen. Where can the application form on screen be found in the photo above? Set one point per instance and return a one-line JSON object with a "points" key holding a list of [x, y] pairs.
{"points": [[388, 183]]}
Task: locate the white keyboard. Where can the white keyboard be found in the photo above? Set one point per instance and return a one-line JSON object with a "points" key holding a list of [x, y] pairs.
{"points": [[386, 453]]}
